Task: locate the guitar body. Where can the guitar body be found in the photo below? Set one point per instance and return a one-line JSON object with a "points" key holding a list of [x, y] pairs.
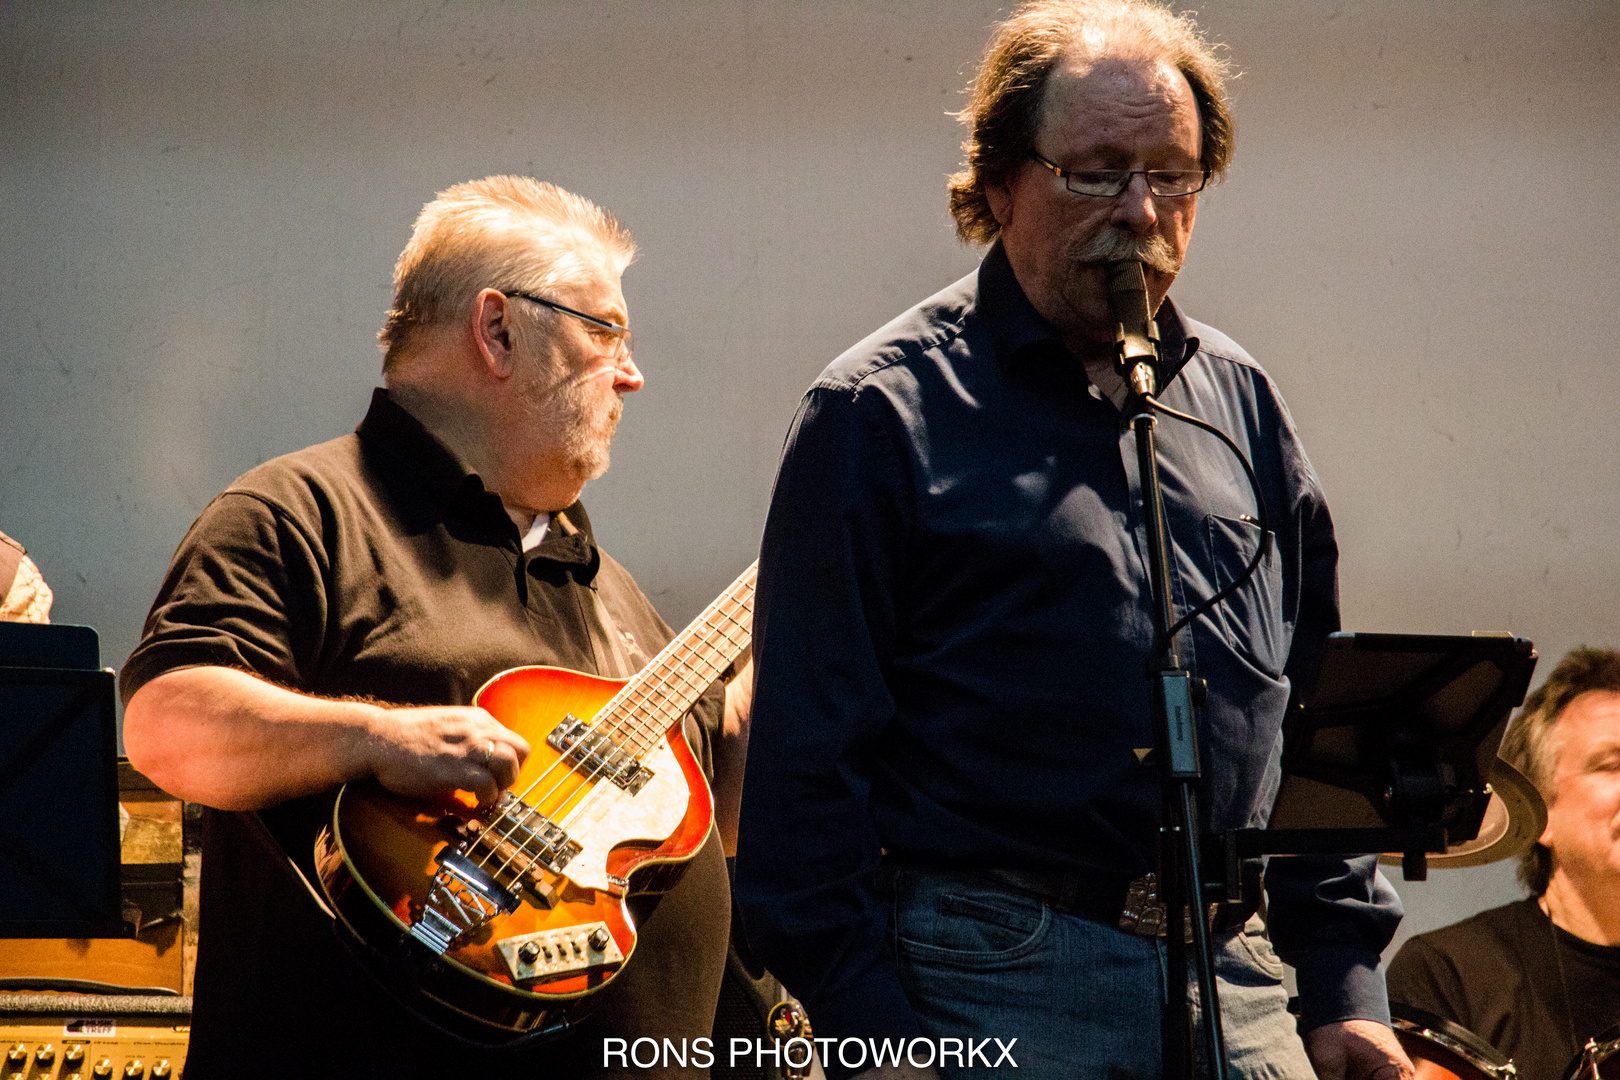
{"points": [[381, 859]]}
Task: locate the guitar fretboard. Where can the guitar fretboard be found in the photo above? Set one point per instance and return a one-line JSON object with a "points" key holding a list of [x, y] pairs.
{"points": [[660, 693]]}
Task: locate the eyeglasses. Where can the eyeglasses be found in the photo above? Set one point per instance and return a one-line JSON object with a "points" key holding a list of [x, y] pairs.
{"points": [[618, 335], [1108, 183]]}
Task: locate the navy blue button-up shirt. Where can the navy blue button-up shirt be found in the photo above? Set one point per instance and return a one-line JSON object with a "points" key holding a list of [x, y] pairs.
{"points": [[952, 632]]}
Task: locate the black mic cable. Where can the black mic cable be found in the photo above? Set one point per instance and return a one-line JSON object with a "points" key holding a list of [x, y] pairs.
{"points": [[1136, 356]]}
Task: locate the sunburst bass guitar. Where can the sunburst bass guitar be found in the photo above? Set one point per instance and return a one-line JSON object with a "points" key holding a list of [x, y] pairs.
{"points": [[498, 922]]}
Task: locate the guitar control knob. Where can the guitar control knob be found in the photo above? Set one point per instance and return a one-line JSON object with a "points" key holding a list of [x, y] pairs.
{"points": [[529, 952], [45, 1055], [135, 1070], [73, 1055], [17, 1055], [599, 939], [103, 1068], [161, 1070]]}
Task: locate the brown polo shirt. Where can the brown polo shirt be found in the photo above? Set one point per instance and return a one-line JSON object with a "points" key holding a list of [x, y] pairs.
{"points": [[378, 565]]}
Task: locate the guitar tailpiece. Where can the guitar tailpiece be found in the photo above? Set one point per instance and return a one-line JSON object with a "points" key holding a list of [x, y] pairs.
{"points": [[462, 899]]}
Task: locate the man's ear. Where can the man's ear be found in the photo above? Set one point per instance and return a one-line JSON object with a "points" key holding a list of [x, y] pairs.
{"points": [[1000, 198], [491, 334]]}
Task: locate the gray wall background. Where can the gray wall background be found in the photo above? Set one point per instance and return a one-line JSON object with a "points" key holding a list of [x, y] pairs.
{"points": [[203, 202]]}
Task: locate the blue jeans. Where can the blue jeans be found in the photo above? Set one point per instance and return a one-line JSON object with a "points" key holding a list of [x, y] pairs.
{"points": [[979, 960]]}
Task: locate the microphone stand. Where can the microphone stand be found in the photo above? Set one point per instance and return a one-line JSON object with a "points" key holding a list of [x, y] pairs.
{"points": [[1174, 695]]}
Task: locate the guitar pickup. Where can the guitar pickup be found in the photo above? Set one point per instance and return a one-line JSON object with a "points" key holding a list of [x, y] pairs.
{"points": [[521, 839], [555, 954], [596, 755]]}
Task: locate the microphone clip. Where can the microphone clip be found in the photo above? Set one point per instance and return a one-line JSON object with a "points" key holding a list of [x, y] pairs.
{"points": [[1136, 335]]}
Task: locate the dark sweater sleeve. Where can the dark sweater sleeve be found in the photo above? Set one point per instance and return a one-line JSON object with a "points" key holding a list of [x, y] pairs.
{"points": [[1331, 917], [824, 624]]}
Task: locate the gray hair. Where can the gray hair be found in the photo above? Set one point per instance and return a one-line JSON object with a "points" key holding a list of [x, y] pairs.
{"points": [[502, 232], [1531, 742]]}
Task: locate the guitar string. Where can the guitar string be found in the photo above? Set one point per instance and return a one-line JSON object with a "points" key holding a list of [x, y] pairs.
{"points": [[621, 711], [739, 598], [729, 623], [614, 705], [622, 718], [522, 848], [675, 646], [670, 663], [619, 714], [693, 686], [622, 714]]}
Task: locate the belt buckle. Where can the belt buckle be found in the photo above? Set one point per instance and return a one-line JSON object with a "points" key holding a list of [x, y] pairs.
{"points": [[1143, 912]]}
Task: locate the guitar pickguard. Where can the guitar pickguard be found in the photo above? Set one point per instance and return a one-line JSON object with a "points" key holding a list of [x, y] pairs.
{"points": [[613, 816]]}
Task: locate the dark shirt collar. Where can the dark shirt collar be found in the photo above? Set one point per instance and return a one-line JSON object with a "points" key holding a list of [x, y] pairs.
{"points": [[453, 487], [1015, 325], [446, 479]]}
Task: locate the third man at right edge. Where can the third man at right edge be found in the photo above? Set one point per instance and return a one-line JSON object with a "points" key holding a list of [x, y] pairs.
{"points": [[1536, 979], [947, 805]]}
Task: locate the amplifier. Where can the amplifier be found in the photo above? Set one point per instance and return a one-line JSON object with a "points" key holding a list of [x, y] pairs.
{"points": [[93, 1036]]}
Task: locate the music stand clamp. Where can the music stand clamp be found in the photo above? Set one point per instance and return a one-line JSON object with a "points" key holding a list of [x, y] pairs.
{"points": [[1392, 751]]}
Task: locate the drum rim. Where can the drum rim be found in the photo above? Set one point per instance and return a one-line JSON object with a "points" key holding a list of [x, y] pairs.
{"points": [[1454, 1037], [1608, 1040]]}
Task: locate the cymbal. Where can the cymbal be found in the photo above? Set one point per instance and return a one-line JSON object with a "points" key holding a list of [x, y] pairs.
{"points": [[1515, 817]]}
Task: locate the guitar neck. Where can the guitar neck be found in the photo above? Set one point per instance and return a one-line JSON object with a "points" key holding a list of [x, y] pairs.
{"points": [[660, 694]]}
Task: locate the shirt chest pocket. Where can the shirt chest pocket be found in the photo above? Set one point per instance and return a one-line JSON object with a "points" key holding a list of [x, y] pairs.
{"points": [[1251, 619]]}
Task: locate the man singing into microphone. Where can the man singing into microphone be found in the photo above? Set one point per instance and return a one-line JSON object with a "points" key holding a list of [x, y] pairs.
{"points": [[948, 820]]}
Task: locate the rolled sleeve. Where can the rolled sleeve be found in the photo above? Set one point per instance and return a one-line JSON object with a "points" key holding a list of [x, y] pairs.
{"points": [[1331, 919]]}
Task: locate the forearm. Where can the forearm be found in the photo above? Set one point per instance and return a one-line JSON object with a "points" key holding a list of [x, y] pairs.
{"points": [[226, 739]]}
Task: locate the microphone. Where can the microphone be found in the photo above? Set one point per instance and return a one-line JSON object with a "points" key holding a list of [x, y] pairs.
{"points": [[1136, 336]]}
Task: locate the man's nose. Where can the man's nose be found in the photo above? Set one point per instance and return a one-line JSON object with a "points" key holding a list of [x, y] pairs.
{"points": [[627, 378], [1135, 208]]}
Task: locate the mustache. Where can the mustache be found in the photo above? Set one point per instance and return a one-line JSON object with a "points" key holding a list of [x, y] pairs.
{"points": [[1116, 245]]}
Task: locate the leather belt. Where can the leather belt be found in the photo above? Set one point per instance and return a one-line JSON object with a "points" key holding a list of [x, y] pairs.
{"points": [[1132, 906]]}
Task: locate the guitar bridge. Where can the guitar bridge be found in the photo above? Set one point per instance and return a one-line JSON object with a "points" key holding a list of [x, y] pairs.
{"points": [[483, 876], [462, 898], [597, 755]]}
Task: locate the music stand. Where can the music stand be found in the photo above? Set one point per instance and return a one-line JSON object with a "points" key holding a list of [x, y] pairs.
{"points": [[59, 837], [1394, 749]]}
